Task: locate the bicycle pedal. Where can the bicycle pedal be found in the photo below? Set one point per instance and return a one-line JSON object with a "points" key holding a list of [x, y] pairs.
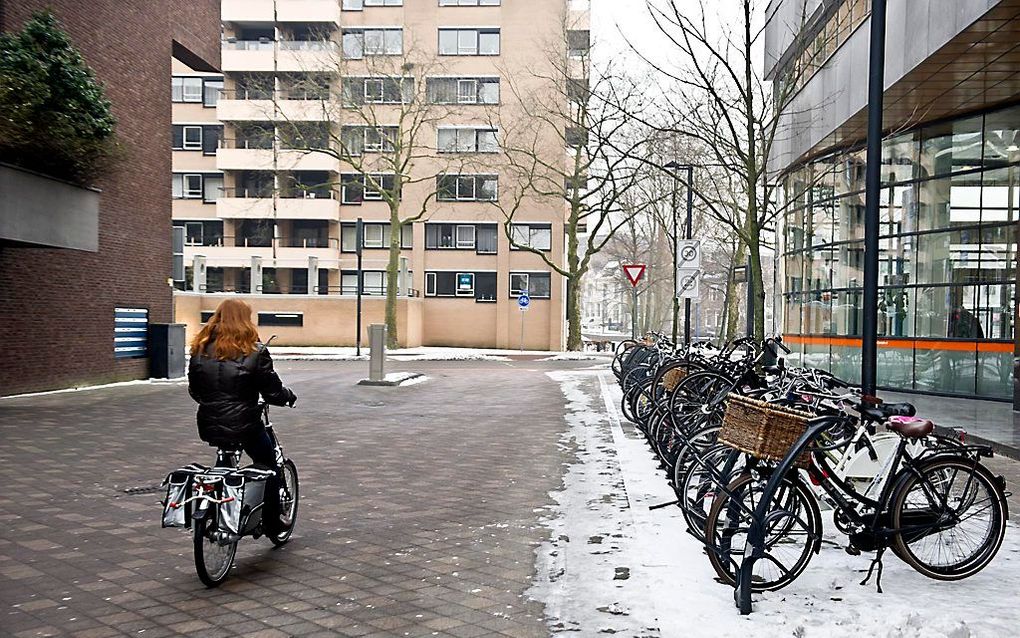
{"points": [[853, 551]]}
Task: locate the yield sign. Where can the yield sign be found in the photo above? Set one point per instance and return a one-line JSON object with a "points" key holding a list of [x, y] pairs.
{"points": [[634, 273]]}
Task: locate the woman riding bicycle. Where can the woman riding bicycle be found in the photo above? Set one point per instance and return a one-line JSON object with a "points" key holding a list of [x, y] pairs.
{"points": [[230, 369]]}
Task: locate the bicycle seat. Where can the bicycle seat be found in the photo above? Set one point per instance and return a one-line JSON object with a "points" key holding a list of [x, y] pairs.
{"points": [[910, 427]]}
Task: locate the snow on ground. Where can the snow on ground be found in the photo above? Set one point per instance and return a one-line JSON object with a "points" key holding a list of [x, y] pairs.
{"points": [[297, 353], [579, 356], [613, 566], [82, 388]]}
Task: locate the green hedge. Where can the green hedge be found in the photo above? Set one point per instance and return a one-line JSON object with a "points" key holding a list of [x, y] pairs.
{"points": [[54, 115]]}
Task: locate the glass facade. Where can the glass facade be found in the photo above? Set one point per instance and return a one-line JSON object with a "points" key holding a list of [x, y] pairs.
{"points": [[947, 258]]}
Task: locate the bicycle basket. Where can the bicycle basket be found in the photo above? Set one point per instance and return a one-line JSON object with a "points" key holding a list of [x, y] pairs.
{"points": [[672, 378], [763, 430]]}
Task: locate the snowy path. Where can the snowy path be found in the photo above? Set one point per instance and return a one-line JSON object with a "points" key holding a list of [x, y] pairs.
{"points": [[611, 566]]}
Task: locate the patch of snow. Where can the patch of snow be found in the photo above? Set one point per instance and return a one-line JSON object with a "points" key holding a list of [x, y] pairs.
{"points": [[102, 386], [670, 588], [578, 356]]}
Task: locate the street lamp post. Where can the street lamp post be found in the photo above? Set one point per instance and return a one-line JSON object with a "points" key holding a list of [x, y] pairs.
{"points": [[673, 167]]}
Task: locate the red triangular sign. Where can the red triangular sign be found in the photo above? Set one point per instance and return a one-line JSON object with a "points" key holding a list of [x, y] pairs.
{"points": [[634, 273]]}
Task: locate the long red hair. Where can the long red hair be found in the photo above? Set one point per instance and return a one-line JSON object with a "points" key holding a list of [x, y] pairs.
{"points": [[230, 330]]}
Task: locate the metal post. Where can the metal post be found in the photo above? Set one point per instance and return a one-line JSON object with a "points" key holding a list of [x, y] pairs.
{"points": [[359, 238], [876, 80], [690, 211], [377, 355], [676, 249], [522, 313], [633, 313]]}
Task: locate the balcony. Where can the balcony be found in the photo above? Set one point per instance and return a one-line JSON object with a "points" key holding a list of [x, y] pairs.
{"points": [[237, 252], [248, 55], [247, 10], [307, 11], [234, 156], [281, 106], [302, 204], [308, 56]]}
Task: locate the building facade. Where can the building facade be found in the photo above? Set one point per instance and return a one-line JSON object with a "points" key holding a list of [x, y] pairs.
{"points": [[949, 199], [318, 99], [61, 304]]}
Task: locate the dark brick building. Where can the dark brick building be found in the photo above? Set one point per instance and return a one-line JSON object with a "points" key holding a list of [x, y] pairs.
{"points": [[57, 305]]}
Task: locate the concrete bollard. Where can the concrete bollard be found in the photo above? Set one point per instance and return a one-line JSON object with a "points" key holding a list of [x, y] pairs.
{"points": [[377, 354]]}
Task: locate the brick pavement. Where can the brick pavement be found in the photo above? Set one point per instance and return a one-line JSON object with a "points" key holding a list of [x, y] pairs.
{"points": [[419, 511]]}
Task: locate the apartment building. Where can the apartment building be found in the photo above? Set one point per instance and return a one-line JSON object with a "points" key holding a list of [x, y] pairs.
{"points": [[359, 82]]}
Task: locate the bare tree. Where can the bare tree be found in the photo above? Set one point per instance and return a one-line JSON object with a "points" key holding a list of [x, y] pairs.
{"points": [[724, 103], [576, 143], [383, 132]]}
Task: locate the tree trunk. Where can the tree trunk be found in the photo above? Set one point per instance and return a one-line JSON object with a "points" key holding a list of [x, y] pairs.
{"points": [[756, 281], [392, 275], [574, 313], [732, 298]]}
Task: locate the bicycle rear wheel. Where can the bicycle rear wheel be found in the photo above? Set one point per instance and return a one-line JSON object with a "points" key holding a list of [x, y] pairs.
{"points": [[792, 535], [213, 558], [952, 517]]}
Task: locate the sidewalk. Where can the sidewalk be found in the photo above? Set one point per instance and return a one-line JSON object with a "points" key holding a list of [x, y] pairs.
{"points": [[990, 422]]}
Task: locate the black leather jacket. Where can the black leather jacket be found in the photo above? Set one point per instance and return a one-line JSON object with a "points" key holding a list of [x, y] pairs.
{"points": [[227, 393]]}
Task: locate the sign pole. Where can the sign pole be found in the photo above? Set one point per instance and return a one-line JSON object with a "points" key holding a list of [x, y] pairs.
{"points": [[522, 332], [359, 238]]}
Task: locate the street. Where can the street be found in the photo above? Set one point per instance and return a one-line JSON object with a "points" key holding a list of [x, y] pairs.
{"points": [[517, 506]]}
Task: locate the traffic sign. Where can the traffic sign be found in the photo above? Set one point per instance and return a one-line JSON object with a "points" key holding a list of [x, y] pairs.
{"points": [[688, 253], [634, 273], [688, 283], [523, 300]]}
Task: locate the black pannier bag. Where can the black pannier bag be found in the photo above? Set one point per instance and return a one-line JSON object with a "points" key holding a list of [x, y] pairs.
{"points": [[244, 493]]}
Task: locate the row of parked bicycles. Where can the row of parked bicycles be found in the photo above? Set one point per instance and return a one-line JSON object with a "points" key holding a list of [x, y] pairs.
{"points": [[757, 451]]}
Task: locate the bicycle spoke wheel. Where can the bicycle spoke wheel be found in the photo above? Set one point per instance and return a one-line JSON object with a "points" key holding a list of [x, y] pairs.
{"points": [[792, 535], [951, 517], [213, 557], [288, 506]]}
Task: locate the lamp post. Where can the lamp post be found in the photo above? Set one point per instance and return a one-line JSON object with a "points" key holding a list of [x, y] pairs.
{"points": [[672, 167]]}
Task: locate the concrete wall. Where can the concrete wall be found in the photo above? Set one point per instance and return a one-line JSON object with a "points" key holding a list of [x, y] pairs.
{"points": [[46, 212], [57, 306], [838, 91]]}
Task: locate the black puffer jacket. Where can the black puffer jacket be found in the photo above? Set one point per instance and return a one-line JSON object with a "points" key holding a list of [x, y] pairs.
{"points": [[227, 393]]}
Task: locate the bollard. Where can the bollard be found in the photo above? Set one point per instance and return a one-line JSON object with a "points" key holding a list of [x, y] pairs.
{"points": [[377, 354]]}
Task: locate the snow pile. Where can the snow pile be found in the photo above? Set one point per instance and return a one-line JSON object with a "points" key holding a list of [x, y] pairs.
{"points": [[611, 565], [578, 356]]}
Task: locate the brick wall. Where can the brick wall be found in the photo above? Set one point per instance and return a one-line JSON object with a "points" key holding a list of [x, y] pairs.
{"points": [[56, 306]]}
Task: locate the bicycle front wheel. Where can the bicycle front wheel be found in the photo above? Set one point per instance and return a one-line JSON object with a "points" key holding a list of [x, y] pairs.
{"points": [[951, 516], [286, 518], [213, 557]]}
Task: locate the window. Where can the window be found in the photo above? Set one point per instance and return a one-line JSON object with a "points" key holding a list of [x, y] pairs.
{"points": [[467, 140], [430, 284], [465, 236], [356, 188], [537, 236], [187, 186], [212, 188], [358, 43], [368, 139], [463, 90], [358, 5], [211, 92], [373, 282], [357, 91], [192, 138], [469, 42], [578, 43], [469, 3], [576, 137], [486, 238], [348, 236], [455, 188], [578, 90], [440, 236], [465, 284], [281, 319], [186, 89], [485, 287], [537, 284], [202, 233]]}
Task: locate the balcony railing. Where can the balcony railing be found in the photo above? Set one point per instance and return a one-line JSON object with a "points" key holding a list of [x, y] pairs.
{"points": [[262, 143], [249, 241], [266, 192], [248, 192], [248, 45], [264, 44], [301, 289]]}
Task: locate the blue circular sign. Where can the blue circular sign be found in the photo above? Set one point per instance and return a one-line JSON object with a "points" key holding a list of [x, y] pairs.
{"points": [[523, 300]]}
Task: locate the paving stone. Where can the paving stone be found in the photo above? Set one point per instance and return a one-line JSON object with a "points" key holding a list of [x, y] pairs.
{"points": [[418, 507]]}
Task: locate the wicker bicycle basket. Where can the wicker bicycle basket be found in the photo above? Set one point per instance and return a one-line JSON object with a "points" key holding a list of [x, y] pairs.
{"points": [[763, 430], [672, 378]]}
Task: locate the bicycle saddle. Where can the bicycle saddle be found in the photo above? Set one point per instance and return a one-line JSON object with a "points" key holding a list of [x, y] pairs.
{"points": [[910, 427]]}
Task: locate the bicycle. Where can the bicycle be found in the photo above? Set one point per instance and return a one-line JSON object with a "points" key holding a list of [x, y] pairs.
{"points": [[225, 503]]}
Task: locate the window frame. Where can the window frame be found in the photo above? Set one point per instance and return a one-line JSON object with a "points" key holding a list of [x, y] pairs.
{"points": [[472, 49], [465, 244], [464, 292], [193, 146]]}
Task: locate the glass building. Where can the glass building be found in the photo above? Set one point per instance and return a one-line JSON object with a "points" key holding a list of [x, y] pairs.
{"points": [[947, 271]]}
